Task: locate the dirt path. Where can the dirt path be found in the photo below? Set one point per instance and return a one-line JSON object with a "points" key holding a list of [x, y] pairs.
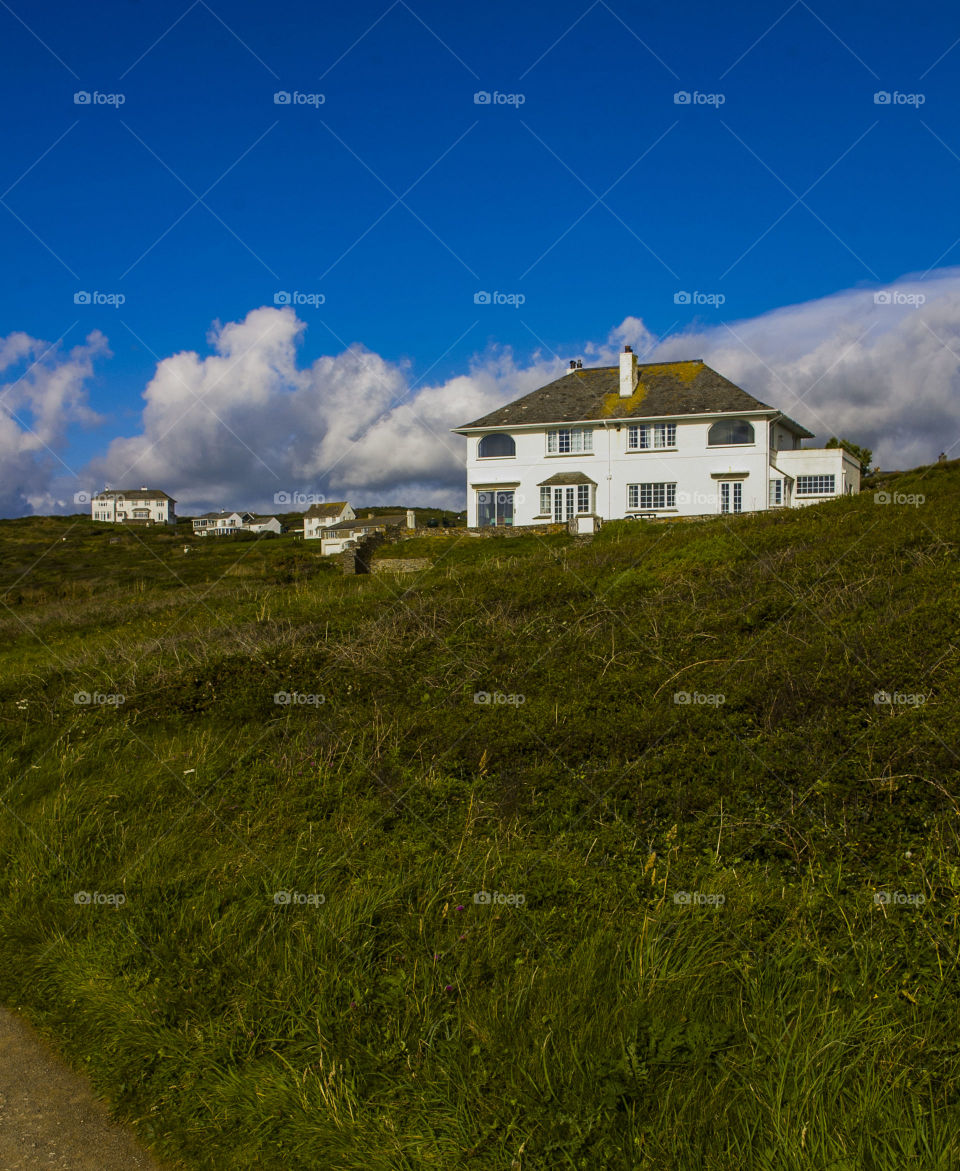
{"points": [[50, 1119]]}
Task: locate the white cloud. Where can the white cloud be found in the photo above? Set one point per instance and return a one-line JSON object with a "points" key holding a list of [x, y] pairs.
{"points": [[43, 394], [244, 421]]}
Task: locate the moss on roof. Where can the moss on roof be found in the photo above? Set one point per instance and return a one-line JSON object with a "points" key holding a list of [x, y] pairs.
{"points": [[664, 390]]}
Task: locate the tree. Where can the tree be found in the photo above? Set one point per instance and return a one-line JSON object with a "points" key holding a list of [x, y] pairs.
{"points": [[863, 454]]}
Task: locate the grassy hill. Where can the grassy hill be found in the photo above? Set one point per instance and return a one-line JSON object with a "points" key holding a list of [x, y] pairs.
{"points": [[633, 853]]}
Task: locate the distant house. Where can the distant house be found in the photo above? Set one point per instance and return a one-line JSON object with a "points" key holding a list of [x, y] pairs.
{"points": [[221, 524], [133, 506], [337, 537], [660, 439], [321, 516], [264, 524]]}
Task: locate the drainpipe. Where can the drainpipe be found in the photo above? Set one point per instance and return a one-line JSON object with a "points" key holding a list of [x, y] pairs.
{"points": [[606, 428]]}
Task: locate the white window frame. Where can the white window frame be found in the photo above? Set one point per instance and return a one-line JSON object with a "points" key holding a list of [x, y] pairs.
{"points": [[815, 485], [652, 437], [776, 493], [645, 496], [570, 441]]}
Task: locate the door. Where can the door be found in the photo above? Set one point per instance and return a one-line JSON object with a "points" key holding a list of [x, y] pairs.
{"points": [[564, 503], [731, 496]]}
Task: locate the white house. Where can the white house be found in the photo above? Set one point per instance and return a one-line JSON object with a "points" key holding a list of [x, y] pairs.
{"points": [[659, 439], [337, 537], [140, 506], [220, 524], [321, 516], [264, 524]]}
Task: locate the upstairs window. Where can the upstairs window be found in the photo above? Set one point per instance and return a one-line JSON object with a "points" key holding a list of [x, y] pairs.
{"points": [[728, 432], [651, 437], [569, 441], [494, 446]]}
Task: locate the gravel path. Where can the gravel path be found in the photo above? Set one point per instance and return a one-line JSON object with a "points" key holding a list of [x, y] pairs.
{"points": [[50, 1119]]}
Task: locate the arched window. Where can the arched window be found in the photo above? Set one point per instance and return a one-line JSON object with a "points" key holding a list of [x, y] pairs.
{"points": [[496, 445], [730, 431]]}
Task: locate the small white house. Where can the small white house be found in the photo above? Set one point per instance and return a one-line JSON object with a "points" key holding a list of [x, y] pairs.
{"points": [[319, 517], [661, 439], [133, 506], [264, 524]]}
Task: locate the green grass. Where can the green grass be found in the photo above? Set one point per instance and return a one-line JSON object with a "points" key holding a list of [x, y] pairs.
{"points": [[697, 973]]}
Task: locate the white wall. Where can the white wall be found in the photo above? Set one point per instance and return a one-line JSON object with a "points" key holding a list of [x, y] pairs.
{"points": [[692, 466]]}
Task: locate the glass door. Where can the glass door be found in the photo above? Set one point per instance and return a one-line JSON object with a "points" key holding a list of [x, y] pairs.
{"points": [[731, 496], [564, 503]]}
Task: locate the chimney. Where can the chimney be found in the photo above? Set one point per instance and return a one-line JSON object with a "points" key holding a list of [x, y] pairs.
{"points": [[628, 372], [411, 519]]}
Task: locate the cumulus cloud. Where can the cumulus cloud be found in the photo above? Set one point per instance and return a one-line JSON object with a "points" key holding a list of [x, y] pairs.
{"points": [[247, 420], [879, 367], [43, 393]]}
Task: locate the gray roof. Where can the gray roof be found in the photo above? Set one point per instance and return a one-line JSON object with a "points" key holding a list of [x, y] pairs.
{"points": [[664, 390], [567, 478], [370, 522], [330, 508], [135, 494]]}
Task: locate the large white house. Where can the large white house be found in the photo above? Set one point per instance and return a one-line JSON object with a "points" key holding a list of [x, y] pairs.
{"points": [[141, 506], [660, 439], [320, 517], [220, 524]]}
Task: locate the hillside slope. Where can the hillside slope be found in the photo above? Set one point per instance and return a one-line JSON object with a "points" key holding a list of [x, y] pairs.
{"points": [[635, 853]]}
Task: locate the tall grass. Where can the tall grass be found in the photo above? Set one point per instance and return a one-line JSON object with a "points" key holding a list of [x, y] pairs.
{"points": [[720, 933]]}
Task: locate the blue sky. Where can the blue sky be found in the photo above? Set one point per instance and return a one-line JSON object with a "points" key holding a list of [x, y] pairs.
{"points": [[386, 190]]}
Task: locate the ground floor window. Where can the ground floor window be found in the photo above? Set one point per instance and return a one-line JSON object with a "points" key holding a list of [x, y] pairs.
{"points": [[651, 496], [816, 485], [494, 508], [776, 492], [731, 496]]}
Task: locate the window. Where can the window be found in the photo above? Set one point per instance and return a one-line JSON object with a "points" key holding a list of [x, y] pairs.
{"points": [[646, 438], [776, 492], [496, 446], [563, 503], [730, 431], [494, 508], [731, 496], [569, 441], [816, 485], [650, 496]]}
